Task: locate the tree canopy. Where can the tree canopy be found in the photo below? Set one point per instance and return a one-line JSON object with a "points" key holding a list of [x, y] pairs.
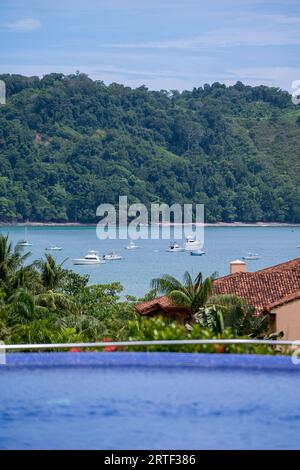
{"points": [[68, 144]]}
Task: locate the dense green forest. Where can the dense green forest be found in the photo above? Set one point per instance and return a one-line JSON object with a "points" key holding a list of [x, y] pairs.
{"points": [[68, 143]]}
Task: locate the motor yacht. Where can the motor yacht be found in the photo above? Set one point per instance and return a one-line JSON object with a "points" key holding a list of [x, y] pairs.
{"points": [[92, 257], [112, 256], [175, 248], [192, 244]]}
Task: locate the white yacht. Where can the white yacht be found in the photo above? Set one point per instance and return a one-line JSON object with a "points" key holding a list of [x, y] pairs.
{"points": [[131, 246], [92, 257], [175, 248], [251, 256], [192, 244], [112, 256]]}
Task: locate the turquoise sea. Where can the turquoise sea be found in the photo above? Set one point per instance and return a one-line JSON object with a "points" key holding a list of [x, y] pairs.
{"points": [[137, 268]]}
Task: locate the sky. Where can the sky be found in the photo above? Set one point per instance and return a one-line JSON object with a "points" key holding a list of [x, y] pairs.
{"points": [[163, 44]]}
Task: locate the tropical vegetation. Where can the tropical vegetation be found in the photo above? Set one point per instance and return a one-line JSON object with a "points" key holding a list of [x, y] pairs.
{"points": [[191, 293], [217, 313], [42, 302], [68, 144]]}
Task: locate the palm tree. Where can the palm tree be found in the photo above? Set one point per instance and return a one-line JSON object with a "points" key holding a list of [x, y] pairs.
{"points": [[10, 260], [25, 277], [22, 307], [214, 312], [52, 273], [53, 300], [192, 293], [236, 314]]}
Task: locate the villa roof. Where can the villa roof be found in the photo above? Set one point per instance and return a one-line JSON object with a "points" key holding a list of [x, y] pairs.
{"points": [[264, 290]]}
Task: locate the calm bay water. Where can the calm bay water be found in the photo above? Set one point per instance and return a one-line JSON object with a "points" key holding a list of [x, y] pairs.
{"points": [[137, 268]]}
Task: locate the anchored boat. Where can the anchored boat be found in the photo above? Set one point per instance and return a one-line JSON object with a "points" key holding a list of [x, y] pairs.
{"points": [[92, 257], [131, 246], [197, 253], [192, 244], [24, 242], [251, 256], [112, 256], [175, 248]]}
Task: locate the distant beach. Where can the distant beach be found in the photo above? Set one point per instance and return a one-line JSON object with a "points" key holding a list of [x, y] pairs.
{"points": [[163, 224]]}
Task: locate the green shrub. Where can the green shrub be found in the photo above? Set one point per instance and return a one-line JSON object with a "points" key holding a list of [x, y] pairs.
{"points": [[160, 329]]}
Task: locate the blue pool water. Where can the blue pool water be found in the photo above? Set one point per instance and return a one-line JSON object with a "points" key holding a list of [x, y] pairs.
{"points": [[149, 401], [135, 271]]}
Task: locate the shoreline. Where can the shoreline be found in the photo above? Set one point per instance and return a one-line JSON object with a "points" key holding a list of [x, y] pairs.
{"points": [[162, 224]]}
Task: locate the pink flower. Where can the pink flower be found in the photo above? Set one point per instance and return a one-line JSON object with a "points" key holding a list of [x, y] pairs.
{"points": [[109, 348]]}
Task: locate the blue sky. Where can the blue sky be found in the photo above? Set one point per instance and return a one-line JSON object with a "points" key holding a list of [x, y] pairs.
{"points": [[164, 44]]}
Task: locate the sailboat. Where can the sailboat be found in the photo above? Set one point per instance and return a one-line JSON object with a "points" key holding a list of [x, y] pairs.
{"points": [[131, 246], [24, 242]]}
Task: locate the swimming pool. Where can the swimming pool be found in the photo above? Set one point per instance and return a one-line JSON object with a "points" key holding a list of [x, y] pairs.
{"points": [[148, 401]]}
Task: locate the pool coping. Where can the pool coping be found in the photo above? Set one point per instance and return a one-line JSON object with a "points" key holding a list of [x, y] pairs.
{"points": [[148, 359]]}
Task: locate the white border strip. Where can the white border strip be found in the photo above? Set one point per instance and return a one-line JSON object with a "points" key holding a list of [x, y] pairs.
{"points": [[148, 343]]}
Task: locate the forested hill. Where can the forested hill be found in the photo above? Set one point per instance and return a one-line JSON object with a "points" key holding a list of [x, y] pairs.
{"points": [[68, 143]]}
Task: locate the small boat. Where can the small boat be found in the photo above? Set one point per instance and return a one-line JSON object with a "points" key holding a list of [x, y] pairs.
{"points": [[192, 244], [112, 256], [24, 242], [92, 257], [197, 253], [54, 248], [131, 246], [298, 246], [251, 256], [175, 248]]}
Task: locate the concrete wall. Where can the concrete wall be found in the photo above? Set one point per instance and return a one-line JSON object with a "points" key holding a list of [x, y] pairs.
{"points": [[288, 320]]}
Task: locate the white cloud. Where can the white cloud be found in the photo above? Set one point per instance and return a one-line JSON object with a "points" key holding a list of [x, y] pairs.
{"points": [[263, 30], [23, 25], [218, 39], [271, 76]]}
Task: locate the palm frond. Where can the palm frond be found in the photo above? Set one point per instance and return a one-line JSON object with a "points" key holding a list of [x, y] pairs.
{"points": [[166, 284], [180, 298]]}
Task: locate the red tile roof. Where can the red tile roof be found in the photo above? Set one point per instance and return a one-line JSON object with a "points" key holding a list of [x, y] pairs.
{"points": [[264, 290], [162, 304], [144, 308]]}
